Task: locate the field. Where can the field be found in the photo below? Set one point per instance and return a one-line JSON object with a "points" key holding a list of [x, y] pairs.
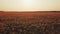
{"points": [[29, 22]]}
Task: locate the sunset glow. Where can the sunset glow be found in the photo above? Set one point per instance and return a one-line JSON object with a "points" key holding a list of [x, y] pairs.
{"points": [[29, 5]]}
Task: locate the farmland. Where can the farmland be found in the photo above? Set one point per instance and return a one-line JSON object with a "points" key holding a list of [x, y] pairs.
{"points": [[29, 22]]}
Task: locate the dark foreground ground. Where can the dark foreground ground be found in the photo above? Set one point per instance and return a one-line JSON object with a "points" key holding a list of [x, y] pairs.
{"points": [[29, 22]]}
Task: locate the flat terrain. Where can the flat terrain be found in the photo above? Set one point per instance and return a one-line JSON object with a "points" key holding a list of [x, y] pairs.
{"points": [[29, 22]]}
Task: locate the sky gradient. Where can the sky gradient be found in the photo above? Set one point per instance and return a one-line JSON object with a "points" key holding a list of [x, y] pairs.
{"points": [[29, 5]]}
